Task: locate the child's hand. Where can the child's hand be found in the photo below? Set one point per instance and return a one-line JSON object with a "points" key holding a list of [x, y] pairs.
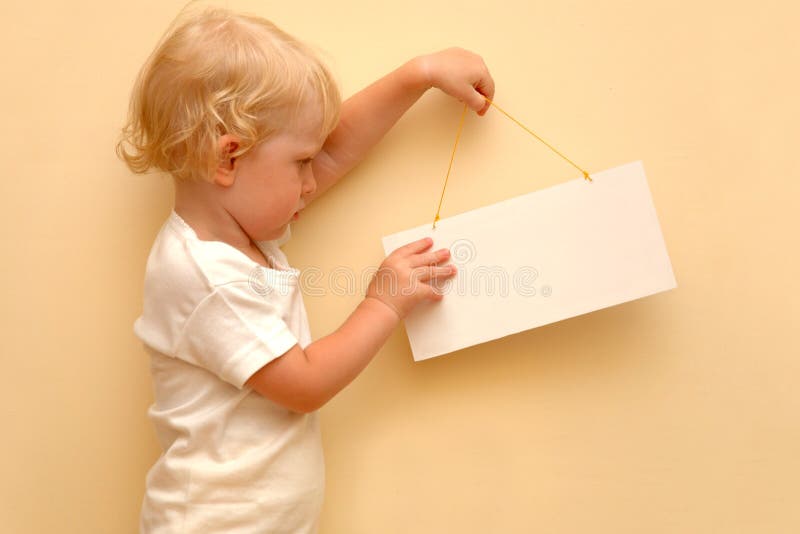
{"points": [[461, 74], [403, 279]]}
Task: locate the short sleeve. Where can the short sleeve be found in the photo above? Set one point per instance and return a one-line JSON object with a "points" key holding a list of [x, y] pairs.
{"points": [[233, 332]]}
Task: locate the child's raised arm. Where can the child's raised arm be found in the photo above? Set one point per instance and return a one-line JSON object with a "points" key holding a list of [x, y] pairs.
{"points": [[304, 380], [366, 116]]}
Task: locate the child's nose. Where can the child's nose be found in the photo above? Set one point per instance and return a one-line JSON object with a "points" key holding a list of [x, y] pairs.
{"points": [[309, 184]]}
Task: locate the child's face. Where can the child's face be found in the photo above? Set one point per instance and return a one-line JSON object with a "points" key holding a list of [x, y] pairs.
{"points": [[273, 179]]}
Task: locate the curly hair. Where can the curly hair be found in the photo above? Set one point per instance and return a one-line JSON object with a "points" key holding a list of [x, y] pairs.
{"points": [[217, 72]]}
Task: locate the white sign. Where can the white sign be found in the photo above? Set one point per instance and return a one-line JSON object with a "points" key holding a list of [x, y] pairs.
{"points": [[539, 258]]}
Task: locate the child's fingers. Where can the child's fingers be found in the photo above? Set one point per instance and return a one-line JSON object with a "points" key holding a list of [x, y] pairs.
{"points": [[415, 247], [432, 294], [430, 273], [486, 106], [485, 86], [482, 89], [429, 258]]}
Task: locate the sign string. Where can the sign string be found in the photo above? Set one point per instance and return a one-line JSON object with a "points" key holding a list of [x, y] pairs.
{"points": [[458, 136]]}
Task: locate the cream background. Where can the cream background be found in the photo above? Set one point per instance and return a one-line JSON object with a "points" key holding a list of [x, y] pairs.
{"points": [[676, 413]]}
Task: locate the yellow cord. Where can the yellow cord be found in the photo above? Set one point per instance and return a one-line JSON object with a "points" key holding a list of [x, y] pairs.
{"points": [[452, 157], [458, 135], [551, 147]]}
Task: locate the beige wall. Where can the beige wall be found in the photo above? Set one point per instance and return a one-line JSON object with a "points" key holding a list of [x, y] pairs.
{"points": [[676, 413]]}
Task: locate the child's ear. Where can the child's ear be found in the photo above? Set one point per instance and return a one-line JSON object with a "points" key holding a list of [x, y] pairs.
{"points": [[225, 173]]}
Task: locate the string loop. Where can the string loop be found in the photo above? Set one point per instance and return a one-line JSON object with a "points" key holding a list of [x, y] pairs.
{"points": [[458, 136]]}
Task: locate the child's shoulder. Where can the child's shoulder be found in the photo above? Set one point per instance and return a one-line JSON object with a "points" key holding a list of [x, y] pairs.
{"points": [[178, 260], [185, 274]]}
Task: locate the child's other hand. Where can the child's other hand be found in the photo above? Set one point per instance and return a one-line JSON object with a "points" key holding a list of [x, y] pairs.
{"points": [[405, 276], [461, 74]]}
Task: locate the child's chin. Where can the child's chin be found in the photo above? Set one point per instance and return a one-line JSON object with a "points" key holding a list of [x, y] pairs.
{"points": [[280, 231], [270, 235]]}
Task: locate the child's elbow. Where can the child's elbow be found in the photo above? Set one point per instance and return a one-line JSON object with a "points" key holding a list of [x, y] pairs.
{"points": [[305, 409], [290, 383], [309, 403], [299, 402], [301, 406]]}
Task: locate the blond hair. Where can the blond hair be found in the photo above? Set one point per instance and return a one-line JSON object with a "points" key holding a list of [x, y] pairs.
{"points": [[217, 72]]}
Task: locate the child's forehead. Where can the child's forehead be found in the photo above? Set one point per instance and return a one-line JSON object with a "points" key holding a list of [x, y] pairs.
{"points": [[306, 126], [308, 115], [303, 140]]}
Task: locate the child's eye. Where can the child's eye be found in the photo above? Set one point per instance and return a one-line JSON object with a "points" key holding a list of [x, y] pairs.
{"points": [[306, 161]]}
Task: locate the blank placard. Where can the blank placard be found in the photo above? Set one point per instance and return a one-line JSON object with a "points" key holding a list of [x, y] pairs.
{"points": [[539, 258]]}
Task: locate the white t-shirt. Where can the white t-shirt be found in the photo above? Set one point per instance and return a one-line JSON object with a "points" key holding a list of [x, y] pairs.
{"points": [[233, 461]]}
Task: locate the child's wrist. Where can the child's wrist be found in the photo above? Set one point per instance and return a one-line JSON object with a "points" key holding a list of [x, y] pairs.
{"points": [[419, 73], [385, 308]]}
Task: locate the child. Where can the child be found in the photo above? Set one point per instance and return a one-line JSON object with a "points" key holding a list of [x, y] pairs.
{"points": [[247, 120]]}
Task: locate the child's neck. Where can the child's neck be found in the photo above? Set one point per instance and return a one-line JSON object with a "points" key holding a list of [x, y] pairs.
{"points": [[197, 204]]}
